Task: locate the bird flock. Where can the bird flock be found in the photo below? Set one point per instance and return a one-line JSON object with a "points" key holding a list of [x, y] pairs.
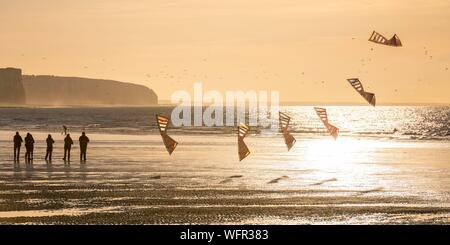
{"points": [[284, 119]]}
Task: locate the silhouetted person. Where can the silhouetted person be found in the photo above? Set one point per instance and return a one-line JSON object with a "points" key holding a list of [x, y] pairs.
{"points": [[29, 146], [17, 144], [68, 142], [50, 143], [84, 140]]}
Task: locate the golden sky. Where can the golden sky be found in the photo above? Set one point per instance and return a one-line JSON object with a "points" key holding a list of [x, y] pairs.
{"points": [[304, 49]]}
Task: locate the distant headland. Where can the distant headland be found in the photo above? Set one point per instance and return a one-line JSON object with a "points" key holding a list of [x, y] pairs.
{"points": [[42, 90]]}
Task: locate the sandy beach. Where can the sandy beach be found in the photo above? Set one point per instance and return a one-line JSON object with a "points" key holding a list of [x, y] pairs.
{"points": [[130, 179]]}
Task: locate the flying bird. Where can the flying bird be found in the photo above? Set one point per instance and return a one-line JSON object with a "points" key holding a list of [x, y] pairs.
{"points": [[357, 85], [242, 147], [284, 124], [322, 113], [170, 143], [380, 39]]}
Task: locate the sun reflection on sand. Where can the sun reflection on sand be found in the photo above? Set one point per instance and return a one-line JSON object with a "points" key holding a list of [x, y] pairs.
{"points": [[351, 161]]}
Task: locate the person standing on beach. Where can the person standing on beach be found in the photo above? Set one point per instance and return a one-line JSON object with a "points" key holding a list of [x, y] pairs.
{"points": [[68, 142], [50, 143], [29, 146], [17, 144], [84, 140]]}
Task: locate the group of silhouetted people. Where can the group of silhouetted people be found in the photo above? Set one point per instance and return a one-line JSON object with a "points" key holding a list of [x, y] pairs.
{"points": [[68, 142]]}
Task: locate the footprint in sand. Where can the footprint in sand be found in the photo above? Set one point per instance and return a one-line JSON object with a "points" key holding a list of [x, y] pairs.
{"points": [[230, 178], [278, 179], [370, 191], [225, 181], [235, 176], [324, 181]]}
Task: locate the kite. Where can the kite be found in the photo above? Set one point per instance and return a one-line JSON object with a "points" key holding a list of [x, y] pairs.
{"points": [[284, 124], [64, 132], [170, 143], [356, 84], [322, 113], [242, 147], [380, 39]]}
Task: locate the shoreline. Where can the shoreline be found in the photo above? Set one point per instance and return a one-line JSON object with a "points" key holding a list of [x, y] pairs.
{"points": [[5, 135]]}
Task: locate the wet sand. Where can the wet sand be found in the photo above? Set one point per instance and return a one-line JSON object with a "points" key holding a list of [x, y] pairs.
{"points": [[132, 180]]}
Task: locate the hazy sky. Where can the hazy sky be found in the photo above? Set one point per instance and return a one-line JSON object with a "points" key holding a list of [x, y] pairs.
{"points": [[289, 46]]}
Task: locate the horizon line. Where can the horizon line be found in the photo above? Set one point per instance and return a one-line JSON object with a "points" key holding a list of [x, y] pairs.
{"points": [[310, 103]]}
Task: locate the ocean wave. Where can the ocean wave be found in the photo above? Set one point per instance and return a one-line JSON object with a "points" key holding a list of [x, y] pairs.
{"points": [[388, 122]]}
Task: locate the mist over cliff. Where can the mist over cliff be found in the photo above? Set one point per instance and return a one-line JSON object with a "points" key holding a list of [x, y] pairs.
{"points": [[43, 90], [53, 90], [12, 91]]}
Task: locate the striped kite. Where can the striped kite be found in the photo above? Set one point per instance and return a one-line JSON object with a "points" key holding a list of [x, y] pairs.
{"points": [[284, 124], [322, 113], [370, 97], [380, 39], [170, 143], [242, 147]]}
